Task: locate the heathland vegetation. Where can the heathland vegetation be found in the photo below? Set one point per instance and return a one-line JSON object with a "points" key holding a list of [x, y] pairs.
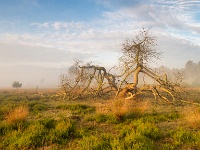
{"points": [[42, 121]]}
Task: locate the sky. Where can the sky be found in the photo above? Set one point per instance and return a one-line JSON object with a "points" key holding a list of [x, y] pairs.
{"points": [[39, 39]]}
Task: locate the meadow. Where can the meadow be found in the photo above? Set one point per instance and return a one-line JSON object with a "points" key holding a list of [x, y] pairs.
{"points": [[30, 120]]}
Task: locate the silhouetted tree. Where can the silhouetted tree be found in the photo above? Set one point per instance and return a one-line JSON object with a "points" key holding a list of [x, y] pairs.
{"points": [[16, 84]]}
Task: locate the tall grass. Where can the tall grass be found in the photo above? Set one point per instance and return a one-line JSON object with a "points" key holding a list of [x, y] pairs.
{"points": [[122, 108], [17, 114], [192, 117]]}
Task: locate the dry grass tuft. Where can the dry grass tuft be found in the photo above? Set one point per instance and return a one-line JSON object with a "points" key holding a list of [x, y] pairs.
{"points": [[192, 117], [122, 107], [17, 114]]}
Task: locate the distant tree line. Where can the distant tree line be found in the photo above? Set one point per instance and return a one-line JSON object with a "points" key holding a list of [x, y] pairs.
{"points": [[190, 74]]}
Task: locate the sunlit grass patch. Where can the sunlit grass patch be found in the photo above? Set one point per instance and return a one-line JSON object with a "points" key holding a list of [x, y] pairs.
{"points": [[192, 117], [122, 108], [17, 114]]}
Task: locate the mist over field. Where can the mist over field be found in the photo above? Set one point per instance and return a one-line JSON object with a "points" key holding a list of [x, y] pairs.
{"points": [[40, 39]]}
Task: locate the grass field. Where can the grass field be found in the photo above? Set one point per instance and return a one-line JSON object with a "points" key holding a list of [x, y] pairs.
{"points": [[41, 121]]}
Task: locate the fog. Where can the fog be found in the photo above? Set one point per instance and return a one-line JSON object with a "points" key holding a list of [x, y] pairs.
{"points": [[41, 66], [33, 65]]}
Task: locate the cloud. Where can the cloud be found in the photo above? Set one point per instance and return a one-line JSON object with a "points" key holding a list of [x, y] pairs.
{"points": [[60, 25], [29, 64], [31, 54], [173, 17], [40, 25], [106, 34], [176, 51]]}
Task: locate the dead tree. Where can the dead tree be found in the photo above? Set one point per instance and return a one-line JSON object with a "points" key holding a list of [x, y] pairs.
{"points": [[136, 54], [89, 80]]}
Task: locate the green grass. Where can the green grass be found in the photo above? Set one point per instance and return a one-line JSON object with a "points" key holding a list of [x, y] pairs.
{"points": [[103, 118], [77, 108], [37, 134], [53, 124]]}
